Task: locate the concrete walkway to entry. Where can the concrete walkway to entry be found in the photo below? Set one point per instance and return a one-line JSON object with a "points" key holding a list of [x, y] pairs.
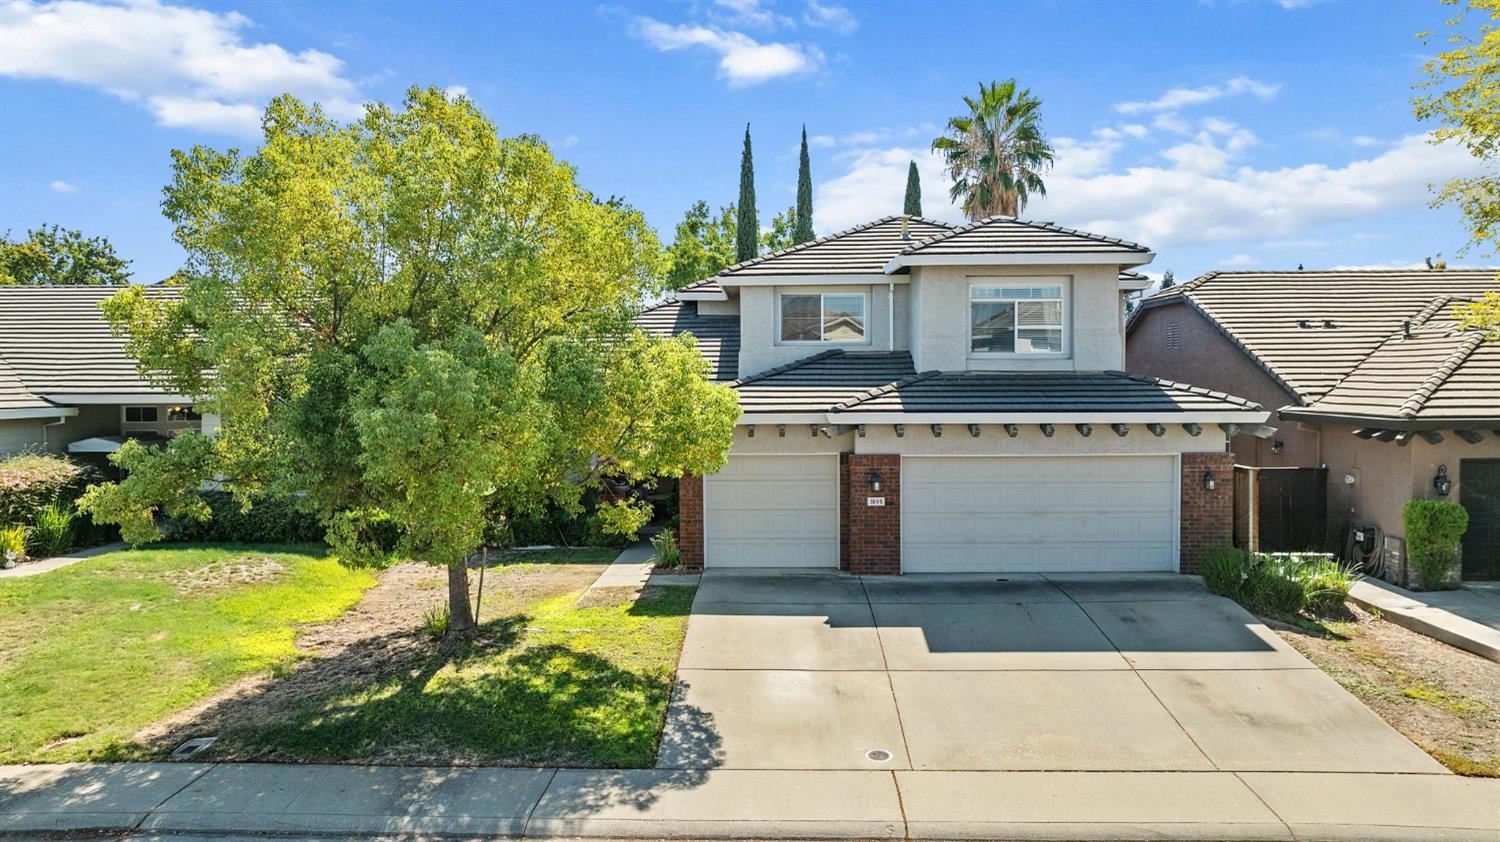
{"points": [[47, 565], [181, 801], [1468, 618]]}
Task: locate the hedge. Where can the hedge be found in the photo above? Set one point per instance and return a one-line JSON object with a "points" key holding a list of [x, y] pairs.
{"points": [[270, 520], [30, 482]]}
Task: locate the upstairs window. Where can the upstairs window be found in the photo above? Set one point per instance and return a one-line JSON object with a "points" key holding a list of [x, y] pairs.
{"points": [[823, 317], [1016, 319]]}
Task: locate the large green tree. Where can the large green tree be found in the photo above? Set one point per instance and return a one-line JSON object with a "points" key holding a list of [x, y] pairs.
{"points": [[747, 235], [55, 255], [913, 204], [703, 245], [783, 231], [804, 212], [996, 153], [408, 321]]}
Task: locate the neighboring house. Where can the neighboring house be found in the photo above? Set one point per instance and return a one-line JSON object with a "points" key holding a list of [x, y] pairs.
{"points": [[66, 383], [1371, 379], [919, 397]]}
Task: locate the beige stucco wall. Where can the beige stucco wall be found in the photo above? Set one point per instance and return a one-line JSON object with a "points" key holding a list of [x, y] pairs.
{"points": [[1205, 357], [1387, 475], [797, 440], [760, 345], [1029, 441], [940, 319], [18, 434], [720, 308]]}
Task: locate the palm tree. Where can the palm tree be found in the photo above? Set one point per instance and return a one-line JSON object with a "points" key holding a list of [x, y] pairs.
{"points": [[996, 153]]}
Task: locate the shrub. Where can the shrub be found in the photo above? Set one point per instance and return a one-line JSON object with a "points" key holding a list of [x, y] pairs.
{"points": [[269, 520], [1225, 571], [435, 621], [1433, 530], [52, 530], [667, 554], [31, 481], [12, 542]]}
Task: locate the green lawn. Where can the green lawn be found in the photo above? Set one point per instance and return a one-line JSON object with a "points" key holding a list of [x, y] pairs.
{"points": [[91, 653], [125, 655]]}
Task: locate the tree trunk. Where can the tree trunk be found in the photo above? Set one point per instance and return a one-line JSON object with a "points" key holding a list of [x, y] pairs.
{"points": [[460, 617]]}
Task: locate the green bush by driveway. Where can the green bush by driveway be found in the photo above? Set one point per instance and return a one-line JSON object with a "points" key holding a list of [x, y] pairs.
{"points": [[91, 653], [1278, 583]]}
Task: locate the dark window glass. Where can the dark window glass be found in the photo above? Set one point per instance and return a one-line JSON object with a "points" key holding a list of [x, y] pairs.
{"points": [[993, 329], [843, 318], [801, 318]]}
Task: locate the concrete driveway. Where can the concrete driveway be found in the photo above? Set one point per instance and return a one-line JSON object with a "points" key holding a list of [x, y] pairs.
{"points": [[1036, 673]]}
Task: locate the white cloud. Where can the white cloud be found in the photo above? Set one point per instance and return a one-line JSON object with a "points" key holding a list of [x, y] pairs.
{"points": [[1295, 4], [752, 13], [1240, 260], [830, 16], [568, 140], [189, 67], [743, 61], [1198, 198], [874, 185], [823, 140], [456, 91], [1179, 98], [60, 186]]}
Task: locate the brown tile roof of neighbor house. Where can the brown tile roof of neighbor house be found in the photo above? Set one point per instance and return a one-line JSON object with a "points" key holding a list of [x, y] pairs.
{"points": [[1023, 392], [57, 342], [861, 250], [1432, 376], [1311, 329], [1008, 235], [718, 337], [816, 383]]}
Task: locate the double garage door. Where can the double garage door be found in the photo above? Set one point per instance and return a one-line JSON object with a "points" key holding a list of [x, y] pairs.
{"points": [[959, 515]]}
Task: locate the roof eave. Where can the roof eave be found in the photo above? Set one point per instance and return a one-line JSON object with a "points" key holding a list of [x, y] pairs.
{"points": [[1240, 416], [1389, 422], [827, 279], [1122, 259], [719, 295], [38, 412]]}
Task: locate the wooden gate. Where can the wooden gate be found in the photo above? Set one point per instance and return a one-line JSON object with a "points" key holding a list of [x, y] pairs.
{"points": [[1279, 510]]}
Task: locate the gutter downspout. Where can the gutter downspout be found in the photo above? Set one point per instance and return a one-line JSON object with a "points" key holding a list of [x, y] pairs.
{"points": [[890, 316], [61, 419]]}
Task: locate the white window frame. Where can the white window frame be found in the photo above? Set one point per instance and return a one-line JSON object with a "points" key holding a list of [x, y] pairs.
{"points": [[1067, 316], [864, 296]]}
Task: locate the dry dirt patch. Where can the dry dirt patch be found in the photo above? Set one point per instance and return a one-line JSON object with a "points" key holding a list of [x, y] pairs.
{"points": [[1444, 699], [225, 573]]}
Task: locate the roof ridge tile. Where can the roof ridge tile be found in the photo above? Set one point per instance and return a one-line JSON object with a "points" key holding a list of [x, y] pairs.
{"points": [[1413, 404], [878, 391], [797, 363], [761, 258]]}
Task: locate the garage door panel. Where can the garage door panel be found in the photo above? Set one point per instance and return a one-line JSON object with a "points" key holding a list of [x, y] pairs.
{"points": [[1038, 513], [772, 511]]}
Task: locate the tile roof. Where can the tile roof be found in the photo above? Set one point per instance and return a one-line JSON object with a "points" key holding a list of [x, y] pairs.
{"points": [[1063, 392], [56, 341], [1311, 329], [707, 285], [817, 383], [1009, 235], [718, 336], [885, 382], [14, 396], [861, 250], [1435, 376]]}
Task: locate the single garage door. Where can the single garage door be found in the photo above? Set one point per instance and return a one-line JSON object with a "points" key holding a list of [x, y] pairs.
{"points": [[1028, 514], [772, 511]]}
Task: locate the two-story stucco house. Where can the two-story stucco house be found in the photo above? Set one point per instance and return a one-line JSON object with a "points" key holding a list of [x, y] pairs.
{"points": [[924, 398]]}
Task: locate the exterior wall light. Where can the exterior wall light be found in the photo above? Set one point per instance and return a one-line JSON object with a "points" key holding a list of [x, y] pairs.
{"points": [[875, 481], [1440, 483], [1277, 446], [1208, 480]]}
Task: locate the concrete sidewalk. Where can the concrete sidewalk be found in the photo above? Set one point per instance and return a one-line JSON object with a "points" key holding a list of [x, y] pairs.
{"points": [[47, 565], [1468, 619], [139, 800]]}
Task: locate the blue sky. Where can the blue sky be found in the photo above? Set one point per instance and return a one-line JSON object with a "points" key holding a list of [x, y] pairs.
{"points": [[1223, 134]]}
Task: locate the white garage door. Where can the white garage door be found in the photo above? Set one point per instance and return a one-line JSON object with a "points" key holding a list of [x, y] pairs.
{"points": [[772, 511], [972, 515]]}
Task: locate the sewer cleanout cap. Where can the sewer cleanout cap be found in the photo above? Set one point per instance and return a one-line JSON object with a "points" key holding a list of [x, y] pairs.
{"points": [[192, 747], [878, 755]]}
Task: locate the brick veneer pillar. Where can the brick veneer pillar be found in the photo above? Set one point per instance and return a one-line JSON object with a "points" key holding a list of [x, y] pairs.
{"points": [[874, 531], [844, 510], [690, 521], [1207, 516]]}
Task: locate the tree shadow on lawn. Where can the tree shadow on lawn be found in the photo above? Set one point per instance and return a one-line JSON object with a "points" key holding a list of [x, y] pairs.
{"points": [[508, 697]]}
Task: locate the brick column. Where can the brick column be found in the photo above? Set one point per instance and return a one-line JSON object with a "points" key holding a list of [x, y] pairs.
{"points": [[874, 531], [690, 521], [1207, 516], [844, 511]]}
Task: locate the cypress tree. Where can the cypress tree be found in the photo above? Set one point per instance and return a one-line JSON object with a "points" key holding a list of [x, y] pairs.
{"points": [[913, 192], [804, 230], [747, 235]]}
